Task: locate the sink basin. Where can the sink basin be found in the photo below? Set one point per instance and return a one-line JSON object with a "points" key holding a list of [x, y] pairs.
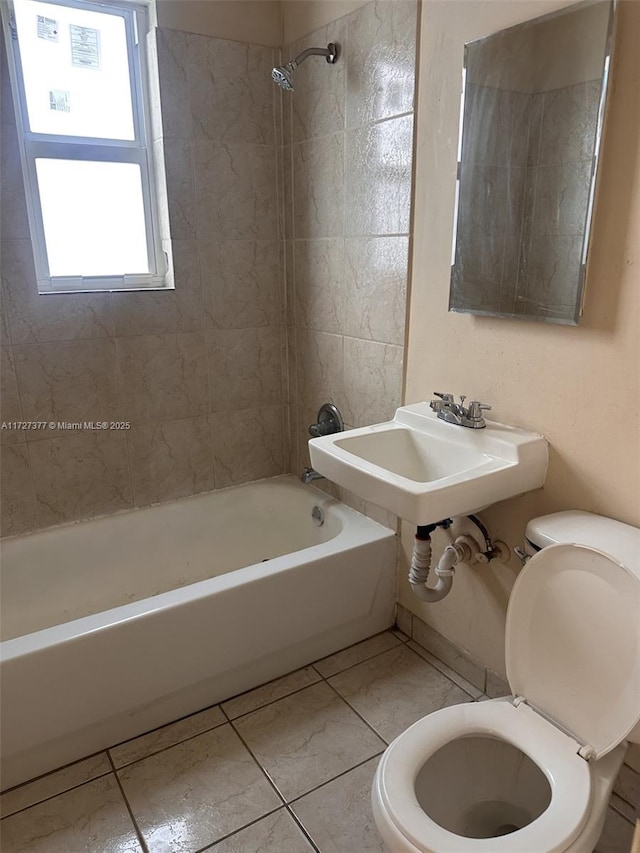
{"points": [[424, 469]]}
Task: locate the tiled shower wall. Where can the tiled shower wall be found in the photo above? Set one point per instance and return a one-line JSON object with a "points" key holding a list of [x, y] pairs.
{"points": [[290, 276], [348, 146], [197, 371]]}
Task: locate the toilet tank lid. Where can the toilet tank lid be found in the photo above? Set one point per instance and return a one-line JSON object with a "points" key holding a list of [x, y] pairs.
{"points": [[621, 541]]}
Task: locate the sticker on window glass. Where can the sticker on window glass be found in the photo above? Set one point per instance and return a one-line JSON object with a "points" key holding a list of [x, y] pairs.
{"points": [[59, 101], [47, 28], [85, 47]]}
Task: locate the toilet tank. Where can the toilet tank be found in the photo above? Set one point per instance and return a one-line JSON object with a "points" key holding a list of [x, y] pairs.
{"points": [[621, 541]]}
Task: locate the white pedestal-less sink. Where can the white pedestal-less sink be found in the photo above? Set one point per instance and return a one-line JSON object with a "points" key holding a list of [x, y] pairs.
{"points": [[424, 469]]}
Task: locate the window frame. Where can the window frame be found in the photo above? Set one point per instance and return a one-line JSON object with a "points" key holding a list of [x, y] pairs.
{"points": [[139, 151]]}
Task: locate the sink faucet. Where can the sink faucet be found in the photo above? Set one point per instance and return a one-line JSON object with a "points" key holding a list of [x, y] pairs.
{"points": [[309, 475], [456, 413]]}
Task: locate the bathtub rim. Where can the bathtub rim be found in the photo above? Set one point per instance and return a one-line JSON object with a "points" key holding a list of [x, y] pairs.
{"points": [[356, 529]]}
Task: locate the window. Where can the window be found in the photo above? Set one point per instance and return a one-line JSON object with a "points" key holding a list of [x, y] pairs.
{"points": [[79, 80]]}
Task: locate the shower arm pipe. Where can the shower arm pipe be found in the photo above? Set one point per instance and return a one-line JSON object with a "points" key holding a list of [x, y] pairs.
{"points": [[462, 550], [329, 52]]}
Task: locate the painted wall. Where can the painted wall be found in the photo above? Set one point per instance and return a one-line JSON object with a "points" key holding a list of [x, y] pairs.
{"points": [[348, 134], [301, 17], [578, 386], [197, 370], [251, 21]]}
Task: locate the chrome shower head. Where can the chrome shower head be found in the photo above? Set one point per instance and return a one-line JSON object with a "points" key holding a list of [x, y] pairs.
{"points": [[283, 74]]}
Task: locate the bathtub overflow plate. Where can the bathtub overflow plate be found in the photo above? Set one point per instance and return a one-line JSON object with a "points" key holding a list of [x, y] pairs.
{"points": [[317, 515]]}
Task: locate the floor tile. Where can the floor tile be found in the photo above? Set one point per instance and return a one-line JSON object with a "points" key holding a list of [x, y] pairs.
{"points": [[628, 785], [276, 833], [394, 689], [616, 836], [451, 674], [356, 654], [159, 739], [54, 783], [92, 818], [338, 815], [270, 692], [307, 739], [196, 792]]}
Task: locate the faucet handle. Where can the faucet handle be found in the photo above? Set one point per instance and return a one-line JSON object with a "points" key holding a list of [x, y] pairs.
{"points": [[476, 409], [445, 400]]}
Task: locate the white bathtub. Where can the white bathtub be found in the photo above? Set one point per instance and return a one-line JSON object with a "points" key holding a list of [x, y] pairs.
{"points": [[114, 626]]}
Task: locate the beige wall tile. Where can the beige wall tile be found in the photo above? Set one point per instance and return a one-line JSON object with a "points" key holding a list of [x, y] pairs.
{"points": [[247, 445], [178, 175], [162, 377], [318, 178], [171, 459], [287, 190], [165, 311], [372, 381], [173, 66], [375, 288], [448, 653], [72, 381], [378, 160], [244, 368], [236, 195], [18, 506], [231, 90], [10, 408], [318, 106], [13, 208], [38, 318], [242, 283], [320, 366], [7, 114], [80, 476], [380, 58], [320, 290]]}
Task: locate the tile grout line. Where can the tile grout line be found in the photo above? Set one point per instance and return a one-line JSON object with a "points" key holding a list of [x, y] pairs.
{"points": [[52, 772], [302, 828], [333, 778], [357, 713], [137, 830], [52, 796], [240, 829]]}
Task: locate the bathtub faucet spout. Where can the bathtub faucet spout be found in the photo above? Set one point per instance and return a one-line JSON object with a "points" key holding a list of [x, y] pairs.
{"points": [[309, 475]]}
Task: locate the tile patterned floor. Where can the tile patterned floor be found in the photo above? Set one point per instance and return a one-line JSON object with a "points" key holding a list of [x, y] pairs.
{"points": [[284, 768]]}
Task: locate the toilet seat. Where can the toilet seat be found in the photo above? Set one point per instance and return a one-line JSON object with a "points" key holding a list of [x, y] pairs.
{"points": [[555, 753]]}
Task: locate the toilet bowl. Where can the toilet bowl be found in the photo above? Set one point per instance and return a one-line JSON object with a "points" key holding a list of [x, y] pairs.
{"points": [[532, 773]]}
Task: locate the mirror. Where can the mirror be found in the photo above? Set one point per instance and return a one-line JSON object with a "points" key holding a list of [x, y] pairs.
{"points": [[532, 114]]}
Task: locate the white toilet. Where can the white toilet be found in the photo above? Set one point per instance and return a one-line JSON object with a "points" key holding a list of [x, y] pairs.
{"points": [[532, 773]]}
